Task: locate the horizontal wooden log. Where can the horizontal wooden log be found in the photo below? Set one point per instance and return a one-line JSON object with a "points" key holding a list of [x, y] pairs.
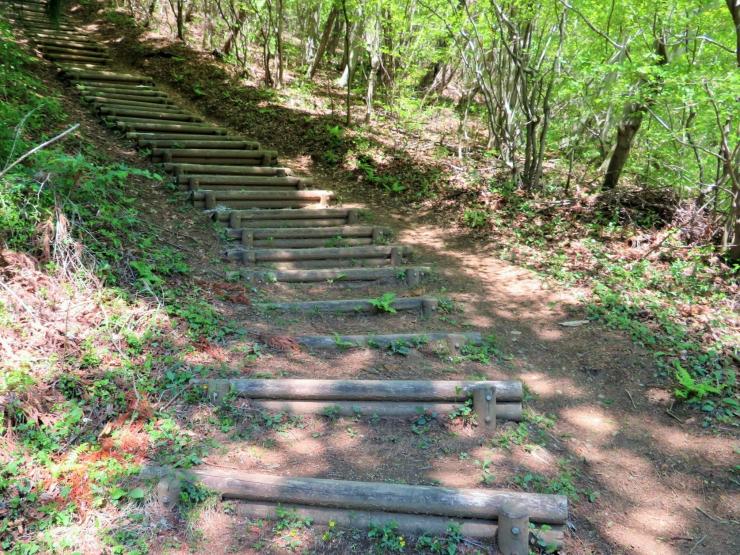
{"points": [[318, 253], [51, 36], [307, 243], [202, 129], [123, 94], [89, 62], [124, 114], [46, 42], [291, 224], [373, 496], [100, 102], [413, 525], [507, 391], [350, 305], [145, 136], [385, 340], [383, 409], [230, 202], [81, 56], [324, 263], [336, 275], [152, 101], [310, 194], [288, 214], [201, 143], [206, 180], [82, 75], [342, 231], [216, 153], [81, 50], [120, 88]]}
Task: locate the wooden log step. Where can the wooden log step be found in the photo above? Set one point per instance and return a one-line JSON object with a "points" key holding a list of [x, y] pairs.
{"points": [[35, 24], [45, 36], [328, 263], [87, 60], [348, 215], [164, 118], [227, 182], [211, 143], [411, 275], [301, 243], [504, 411], [342, 231], [81, 50], [47, 43], [409, 525], [454, 340], [160, 101], [261, 199], [216, 153], [198, 128], [114, 102], [353, 306], [125, 114], [256, 256], [185, 169], [372, 496], [112, 76], [508, 391], [120, 88]]}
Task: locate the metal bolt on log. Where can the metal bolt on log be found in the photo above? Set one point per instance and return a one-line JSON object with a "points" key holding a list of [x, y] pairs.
{"points": [[484, 406]]}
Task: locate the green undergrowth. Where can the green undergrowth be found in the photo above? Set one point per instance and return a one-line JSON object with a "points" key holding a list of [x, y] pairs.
{"points": [[677, 305], [84, 397]]}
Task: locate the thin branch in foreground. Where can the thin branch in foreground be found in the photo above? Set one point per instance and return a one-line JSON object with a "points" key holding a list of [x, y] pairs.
{"points": [[35, 149]]}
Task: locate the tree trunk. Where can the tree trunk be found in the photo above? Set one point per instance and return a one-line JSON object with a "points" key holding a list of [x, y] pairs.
{"points": [[628, 128], [734, 7], [279, 42], [372, 39], [234, 32], [348, 56], [324, 42]]}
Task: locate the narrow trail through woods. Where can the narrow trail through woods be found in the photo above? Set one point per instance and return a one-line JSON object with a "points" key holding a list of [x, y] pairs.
{"points": [[645, 479]]}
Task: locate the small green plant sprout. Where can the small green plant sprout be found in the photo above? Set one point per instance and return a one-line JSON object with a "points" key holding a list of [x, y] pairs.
{"points": [[384, 303], [331, 412], [483, 353], [475, 218], [386, 538], [343, 344], [289, 525], [537, 534], [464, 413], [487, 476], [399, 347]]}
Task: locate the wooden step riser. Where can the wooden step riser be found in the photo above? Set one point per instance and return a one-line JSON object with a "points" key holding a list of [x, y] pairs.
{"points": [[350, 216], [87, 51], [160, 101], [144, 94], [107, 76], [69, 58], [410, 276], [305, 243], [121, 88], [200, 129], [188, 169], [257, 256], [323, 264], [128, 116], [175, 157], [48, 44], [425, 305], [210, 181], [100, 102], [207, 144], [322, 233], [292, 224], [225, 188], [242, 204]]}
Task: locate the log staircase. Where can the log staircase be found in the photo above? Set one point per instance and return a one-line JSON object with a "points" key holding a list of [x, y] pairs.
{"points": [[282, 229]]}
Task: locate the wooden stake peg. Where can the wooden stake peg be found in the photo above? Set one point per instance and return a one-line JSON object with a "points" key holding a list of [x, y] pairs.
{"points": [[484, 406], [353, 216], [235, 220], [247, 238], [210, 198], [513, 530]]}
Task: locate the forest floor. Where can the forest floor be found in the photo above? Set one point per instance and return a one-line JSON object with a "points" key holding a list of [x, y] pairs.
{"points": [[643, 472]]}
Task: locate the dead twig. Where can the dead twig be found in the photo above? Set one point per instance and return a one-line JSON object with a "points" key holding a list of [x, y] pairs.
{"points": [[697, 543], [716, 519], [39, 147], [634, 406]]}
